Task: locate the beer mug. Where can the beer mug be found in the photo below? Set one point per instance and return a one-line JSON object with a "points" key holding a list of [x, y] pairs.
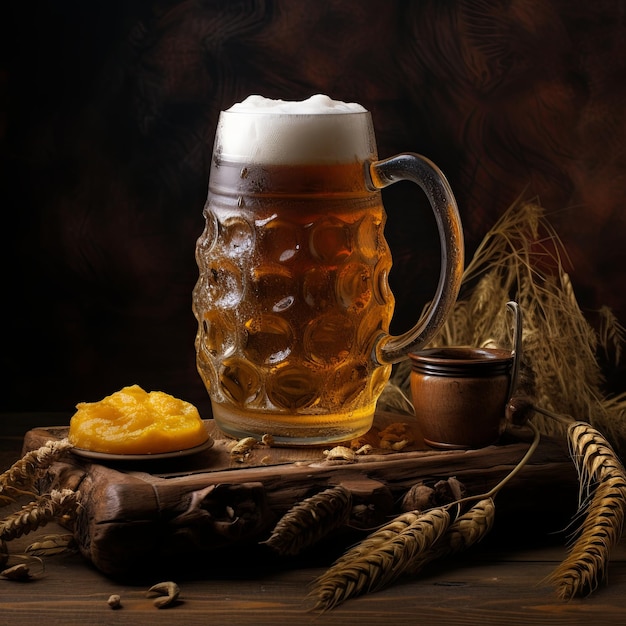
{"points": [[292, 301]]}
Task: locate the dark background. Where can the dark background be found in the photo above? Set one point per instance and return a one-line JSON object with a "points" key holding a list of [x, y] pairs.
{"points": [[107, 116]]}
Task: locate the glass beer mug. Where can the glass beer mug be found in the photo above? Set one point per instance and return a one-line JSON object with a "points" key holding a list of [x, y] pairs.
{"points": [[292, 301]]}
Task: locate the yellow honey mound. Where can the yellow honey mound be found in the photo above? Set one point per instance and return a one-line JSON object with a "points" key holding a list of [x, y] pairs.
{"points": [[134, 421]]}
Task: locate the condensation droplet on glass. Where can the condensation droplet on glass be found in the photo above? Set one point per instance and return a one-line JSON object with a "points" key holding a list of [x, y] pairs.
{"points": [[283, 305]]}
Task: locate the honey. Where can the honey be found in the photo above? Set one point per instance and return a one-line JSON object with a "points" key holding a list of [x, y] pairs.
{"points": [[134, 421]]}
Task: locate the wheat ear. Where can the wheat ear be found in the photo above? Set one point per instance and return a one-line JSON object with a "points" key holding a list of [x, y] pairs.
{"points": [[408, 542], [38, 513], [464, 532], [21, 476], [603, 504], [476, 523], [380, 559], [313, 518]]}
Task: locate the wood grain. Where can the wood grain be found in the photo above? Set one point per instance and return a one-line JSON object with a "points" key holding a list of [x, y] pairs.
{"points": [[500, 581], [489, 586], [185, 513]]}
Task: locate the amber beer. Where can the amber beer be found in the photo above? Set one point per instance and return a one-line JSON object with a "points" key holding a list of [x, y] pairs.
{"points": [[293, 296]]}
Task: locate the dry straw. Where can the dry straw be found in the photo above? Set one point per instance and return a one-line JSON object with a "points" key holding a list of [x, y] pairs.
{"points": [[522, 259], [19, 481]]}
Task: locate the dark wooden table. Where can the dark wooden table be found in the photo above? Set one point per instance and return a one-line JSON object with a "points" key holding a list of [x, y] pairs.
{"points": [[501, 581]]}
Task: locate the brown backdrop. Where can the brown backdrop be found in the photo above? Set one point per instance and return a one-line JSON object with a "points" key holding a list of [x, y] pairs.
{"points": [[108, 114]]}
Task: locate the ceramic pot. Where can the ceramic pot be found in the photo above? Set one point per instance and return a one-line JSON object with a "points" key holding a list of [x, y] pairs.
{"points": [[460, 394]]}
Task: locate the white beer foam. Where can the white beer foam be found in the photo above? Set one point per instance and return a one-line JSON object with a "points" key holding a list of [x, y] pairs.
{"points": [[316, 130], [318, 104]]}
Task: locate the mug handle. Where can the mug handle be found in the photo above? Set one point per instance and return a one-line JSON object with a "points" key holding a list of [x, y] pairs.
{"points": [[516, 351], [420, 170]]}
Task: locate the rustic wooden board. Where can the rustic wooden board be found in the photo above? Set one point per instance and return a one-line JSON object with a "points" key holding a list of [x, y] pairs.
{"points": [[141, 515]]}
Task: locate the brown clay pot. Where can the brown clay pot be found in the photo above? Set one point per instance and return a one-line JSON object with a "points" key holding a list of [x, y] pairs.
{"points": [[460, 394]]}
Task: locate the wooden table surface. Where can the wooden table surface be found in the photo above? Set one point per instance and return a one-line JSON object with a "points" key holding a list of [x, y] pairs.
{"points": [[501, 581]]}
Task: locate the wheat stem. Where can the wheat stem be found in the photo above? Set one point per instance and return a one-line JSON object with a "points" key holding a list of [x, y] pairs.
{"points": [[518, 468], [564, 420]]}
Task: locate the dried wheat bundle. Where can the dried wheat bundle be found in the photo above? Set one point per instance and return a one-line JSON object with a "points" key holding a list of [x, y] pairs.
{"points": [[21, 476], [522, 259], [381, 558], [53, 505], [410, 541], [603, 504], [310, 520]]}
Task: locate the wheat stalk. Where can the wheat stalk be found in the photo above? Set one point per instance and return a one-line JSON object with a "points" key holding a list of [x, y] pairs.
{"points": [[521, 258], [389, 554], [379, 538], [53, 505], [21, 476], [603, 504], [464, 532], [408, 542], [592, 454], [308, 521]]}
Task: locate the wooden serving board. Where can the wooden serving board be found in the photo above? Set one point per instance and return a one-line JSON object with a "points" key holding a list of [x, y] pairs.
{"points": [[140, 516]]}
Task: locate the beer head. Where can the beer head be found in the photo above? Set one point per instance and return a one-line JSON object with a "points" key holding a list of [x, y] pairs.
{"points": [[276, 132]]}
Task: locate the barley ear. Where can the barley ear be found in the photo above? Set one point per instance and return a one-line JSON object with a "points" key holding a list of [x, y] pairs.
{"points": [[53, 505], [21, 476], [465, 531], [387, 553], [310, 520], [603, 505]]}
